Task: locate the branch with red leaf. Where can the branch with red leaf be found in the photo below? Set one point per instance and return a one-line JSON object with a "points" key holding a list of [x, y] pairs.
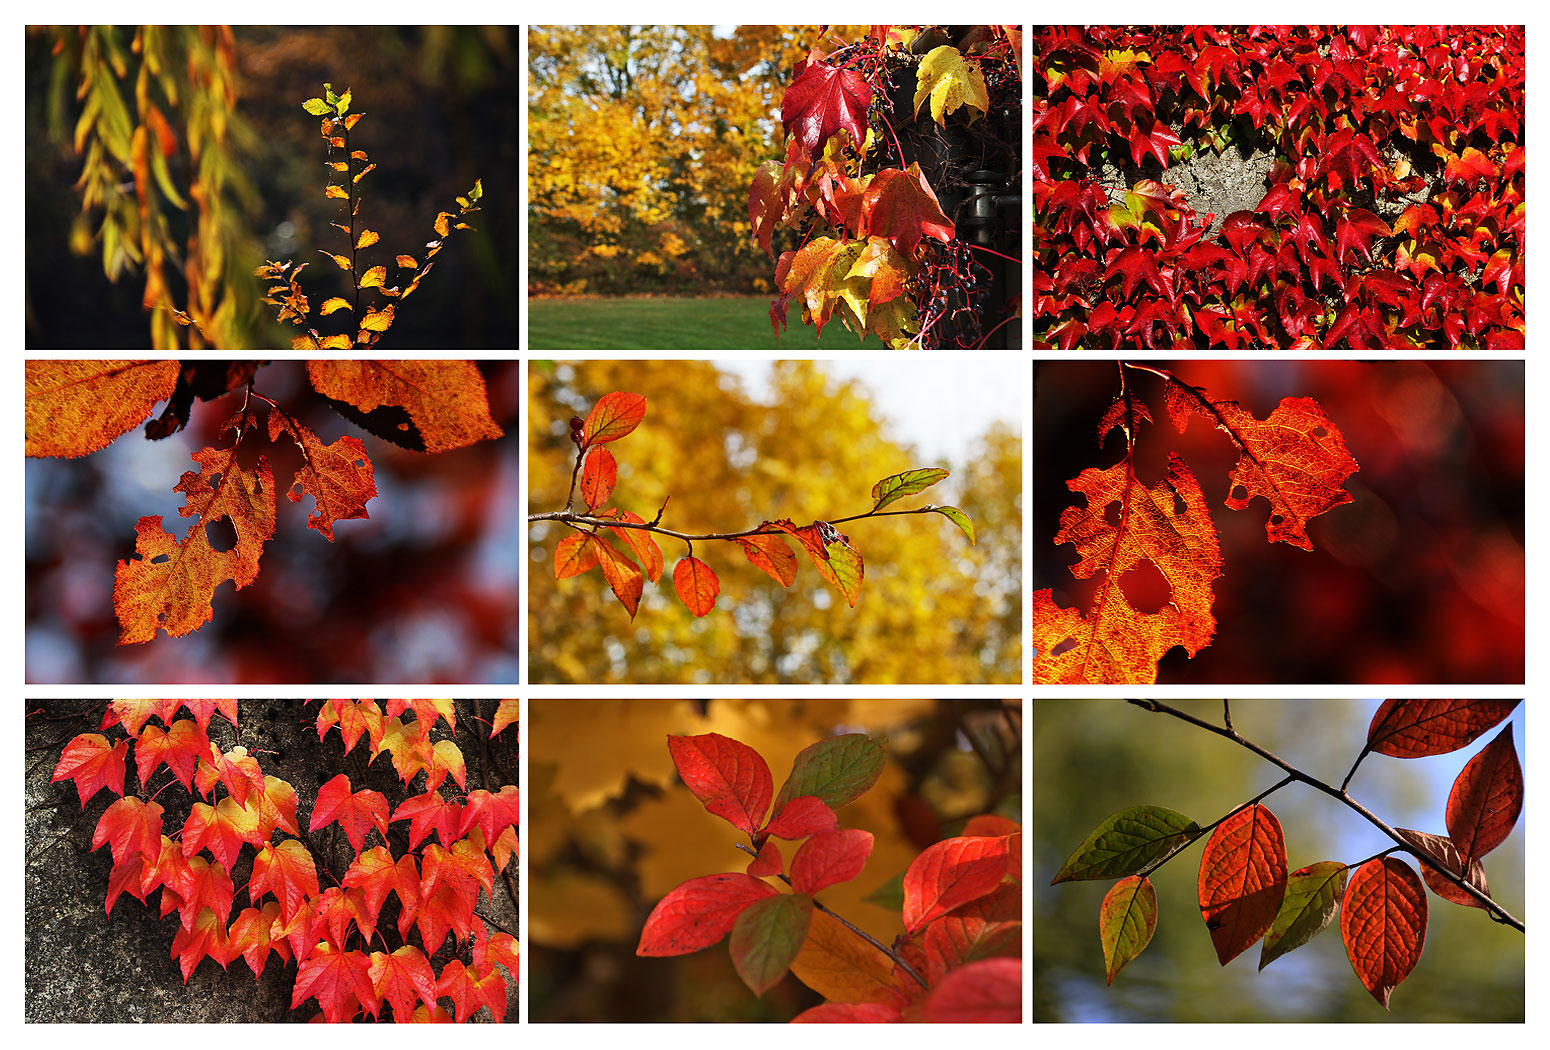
{"points": [[1246, 892], [637, 557]]}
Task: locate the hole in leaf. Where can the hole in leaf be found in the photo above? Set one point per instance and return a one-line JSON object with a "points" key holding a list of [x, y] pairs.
{"points": [[1145, 588], [1179, 506], [160, 559], [222, 535], [1276, 519], [1239, 492], [215, 480], [1111, 513], [1319, 432], [1064, 647]]}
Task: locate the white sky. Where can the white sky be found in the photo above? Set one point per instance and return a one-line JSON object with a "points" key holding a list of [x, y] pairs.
{"points": [[939, 404]]}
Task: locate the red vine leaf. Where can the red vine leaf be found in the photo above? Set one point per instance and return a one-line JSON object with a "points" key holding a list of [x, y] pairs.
{"points": [[129, 827], [357, 812], [1383, 923], [1419, 728], [1242, 880], [696, 585], [93, 764], [77, 407], [614, 416], [1312, 894], [206, 935], [728, 776], [179, 748], [827, 858], [1296, 458], [699, 913], [468, 989], [822, 101], [767, 937], [1126, 921], [901, 206], [1441, 849], [1486, 799], [171, 585], [340, 981], [286, 870], [401, 978]]}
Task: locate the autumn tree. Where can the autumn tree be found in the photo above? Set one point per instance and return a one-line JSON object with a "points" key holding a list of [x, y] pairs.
{"points": [[613, 830], [643, 140], [724, 457]]}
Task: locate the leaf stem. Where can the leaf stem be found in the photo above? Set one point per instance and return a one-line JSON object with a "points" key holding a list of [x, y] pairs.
{"points": [[568, 517]]}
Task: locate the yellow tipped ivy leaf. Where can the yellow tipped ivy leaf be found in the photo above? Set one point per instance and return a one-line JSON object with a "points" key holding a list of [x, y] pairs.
{"points": [[341, 261], [336, 303], [960, 519], [339, 165], [1126, 922], [378, 320], [767, 937], [316, 106], [334, 190], [950, 81], [367, 239], [1127, 841], [906, 484], [407, 262], [374, 277], [335, 342], [1312, 893]]}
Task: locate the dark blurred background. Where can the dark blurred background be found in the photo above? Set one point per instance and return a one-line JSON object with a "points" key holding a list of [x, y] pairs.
{"points": [[1419, 579], [1092, 758], [423, 591], [441, 107]]}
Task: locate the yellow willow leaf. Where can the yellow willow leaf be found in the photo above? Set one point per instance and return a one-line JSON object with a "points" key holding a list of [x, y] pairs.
{"points": [[367, 239], [341, 261], [339, 165], [336, 191], [304, 342], [407, 262], [335, 342], [374, 277], [336, 303], [360, 174], [378, 320], [440, 225], [350, 121], [359, 154]]}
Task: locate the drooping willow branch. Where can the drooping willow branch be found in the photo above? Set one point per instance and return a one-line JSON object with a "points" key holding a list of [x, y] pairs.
{"points": [[1496, 911]]}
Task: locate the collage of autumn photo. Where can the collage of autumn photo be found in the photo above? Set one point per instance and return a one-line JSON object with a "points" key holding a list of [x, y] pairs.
{"points": [[813, 455]]}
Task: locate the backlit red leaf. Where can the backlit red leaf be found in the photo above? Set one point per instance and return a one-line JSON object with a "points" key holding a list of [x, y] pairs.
{"points": [[1383, 923], [728, 776], [1126, 921], [696, 585], [93, 764], [699, 913], [952, 872], [614, 416], [77, 407], [206, 935], [1486, 799], [830, 857], [1418, 728], [989, 991], [357, 812], [598, 476], [901, 206], [800, 817], [822, 101], [624, 577], [1441, 849], [1242, 880]]}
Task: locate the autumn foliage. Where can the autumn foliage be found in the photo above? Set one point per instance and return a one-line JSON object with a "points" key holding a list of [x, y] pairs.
{"points": [[621, 544], [1296, 460], [77, 407], [1247, 895], [1388, 211], [350, 956], [865, 213], [961, 898]]}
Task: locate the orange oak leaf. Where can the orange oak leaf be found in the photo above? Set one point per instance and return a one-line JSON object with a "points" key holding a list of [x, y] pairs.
{"points": [[77, 407], [1383, 924], [93, 764], [286, 870], [1115, 643], [1296, 459], [696, 585], [401, 978], [1242, 879], [171, 585], [470, 990], [129, 826], [337, 476], [206, 935], [615, 415], [833, 556], [340, 981], [431, 406], [252, 937], [357, 812]]}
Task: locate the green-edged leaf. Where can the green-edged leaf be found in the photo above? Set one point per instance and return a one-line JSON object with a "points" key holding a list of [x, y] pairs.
{"points": [[767, 937], [1126, 922], [1312, 894], [958, 518], [837, 771], [1126, 842], [316, 106], [907, 484]]}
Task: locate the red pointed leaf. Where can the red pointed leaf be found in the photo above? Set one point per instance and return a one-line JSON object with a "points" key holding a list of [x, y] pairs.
{"points": [[830, 857], [180, 748], [849, 1013], [1486, 799], [768, 862], [129, 827], [1441, 849], [1126, 922], [357, 812], [1418, 728], [1383, 923], [802, 816], [598, 476], [696, 585], [823, 100], [901, 206], [728, 776], [699, 913], [952, 872], [1242, 880], [614, 416]]}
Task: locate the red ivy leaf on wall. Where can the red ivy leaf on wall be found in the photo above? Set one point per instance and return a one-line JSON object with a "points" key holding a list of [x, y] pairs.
{"points": [[1418, 728], [822, 101], [1383, 923], [93, 764], [357, 812], [1242, 880], [129, 826], [1486, 799]]}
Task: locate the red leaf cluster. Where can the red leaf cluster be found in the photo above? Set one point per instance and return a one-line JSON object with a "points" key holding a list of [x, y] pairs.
{"points": [[1423, 124]]}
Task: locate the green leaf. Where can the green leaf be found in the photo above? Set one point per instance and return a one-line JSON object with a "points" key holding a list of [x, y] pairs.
{"points": [[1126, 922], [344, 103], [907, 484], [316, 106], [838, 770], [767, 937], [1126, 842], [478, 190], [1308, 906], [889, 895], [958, 518]]}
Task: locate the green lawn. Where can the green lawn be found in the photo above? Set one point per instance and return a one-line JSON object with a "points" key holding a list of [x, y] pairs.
{"points": [[677, 324]]}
